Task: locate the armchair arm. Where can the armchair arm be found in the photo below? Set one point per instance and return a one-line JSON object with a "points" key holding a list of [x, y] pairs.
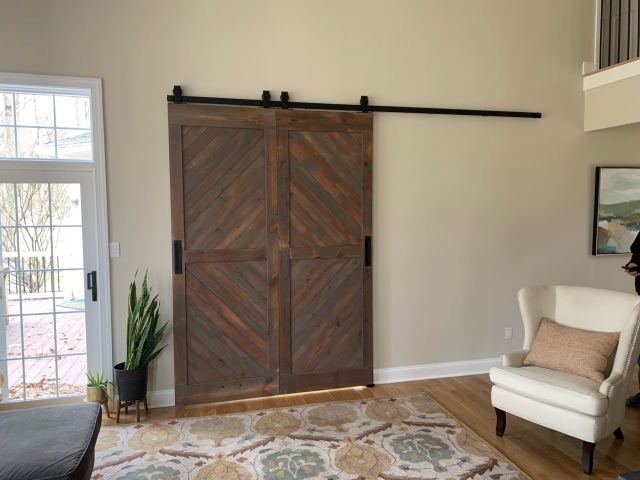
{"points": [[609, 385], [514, 359]]}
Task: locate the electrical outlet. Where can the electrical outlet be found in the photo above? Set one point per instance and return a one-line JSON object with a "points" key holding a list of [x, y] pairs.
{"points": [[508, 333]]}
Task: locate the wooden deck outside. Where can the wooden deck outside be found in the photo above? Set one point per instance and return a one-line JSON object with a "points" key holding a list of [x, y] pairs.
{"points": [[38, 334]]}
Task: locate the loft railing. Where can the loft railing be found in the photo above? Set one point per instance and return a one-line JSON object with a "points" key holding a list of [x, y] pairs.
{"points": [[619, 33]]}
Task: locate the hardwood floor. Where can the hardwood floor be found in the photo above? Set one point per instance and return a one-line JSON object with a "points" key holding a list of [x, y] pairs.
{"points": [[540, 452]]}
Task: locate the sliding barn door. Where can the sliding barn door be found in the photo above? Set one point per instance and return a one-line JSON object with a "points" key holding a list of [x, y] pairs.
{"points": [[325, 206], [224, 226], [271, 224]]}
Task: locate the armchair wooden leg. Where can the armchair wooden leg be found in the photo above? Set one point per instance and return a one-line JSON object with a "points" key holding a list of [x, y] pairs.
{"points": [[501, 421], [587, 456], [618, 434]]}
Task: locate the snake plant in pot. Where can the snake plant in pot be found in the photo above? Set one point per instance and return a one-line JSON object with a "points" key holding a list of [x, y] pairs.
{"points": [[142, 342]]}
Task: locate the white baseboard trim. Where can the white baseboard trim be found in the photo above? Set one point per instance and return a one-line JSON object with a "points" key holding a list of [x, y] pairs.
{"points": [[434, 370], [166, 398], [161, 398]]}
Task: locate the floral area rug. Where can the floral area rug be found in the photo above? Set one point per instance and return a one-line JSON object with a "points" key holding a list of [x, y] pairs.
{"points": [[397, 438]]}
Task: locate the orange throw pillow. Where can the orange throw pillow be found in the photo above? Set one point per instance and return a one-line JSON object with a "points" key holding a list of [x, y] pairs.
{"points": [[572, 350]]}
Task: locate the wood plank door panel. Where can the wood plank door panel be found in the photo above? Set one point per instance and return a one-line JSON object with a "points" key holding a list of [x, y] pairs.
{"points": [[324, 175], [271, 209], [326, 313], [224, 212]]}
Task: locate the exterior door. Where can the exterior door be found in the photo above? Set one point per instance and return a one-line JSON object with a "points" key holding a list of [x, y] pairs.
{"points": [[224, 220], [49, 328], [324, 168], [53, 232], [271, 222]]}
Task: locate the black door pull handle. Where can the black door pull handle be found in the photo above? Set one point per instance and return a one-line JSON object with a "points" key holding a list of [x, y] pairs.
{"points": [[367, 251], [177, 257], [92, 285]]}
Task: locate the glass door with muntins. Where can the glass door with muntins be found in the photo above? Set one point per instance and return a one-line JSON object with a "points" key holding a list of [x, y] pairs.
{"points": [[44, 352]]}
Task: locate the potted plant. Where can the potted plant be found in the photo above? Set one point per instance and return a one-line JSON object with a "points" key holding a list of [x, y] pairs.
{"points": [[96, 389], [142, 342]]}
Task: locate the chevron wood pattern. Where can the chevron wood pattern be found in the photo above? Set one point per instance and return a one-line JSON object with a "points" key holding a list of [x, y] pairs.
{"points": [[226, 321], [272, 208], [326, 315], [224, 188], [324, 216], [326, 188]]}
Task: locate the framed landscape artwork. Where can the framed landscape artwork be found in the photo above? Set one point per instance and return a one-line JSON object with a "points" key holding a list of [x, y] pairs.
{"points": [[617, 210]]}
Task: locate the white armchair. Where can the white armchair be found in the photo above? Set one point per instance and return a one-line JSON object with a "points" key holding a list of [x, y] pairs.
{"points": [[571, 404]]}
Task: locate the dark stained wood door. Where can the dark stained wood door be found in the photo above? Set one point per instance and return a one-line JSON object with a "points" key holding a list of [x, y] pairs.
{"points": [[224, 216], [270, 212], [325, 207]]}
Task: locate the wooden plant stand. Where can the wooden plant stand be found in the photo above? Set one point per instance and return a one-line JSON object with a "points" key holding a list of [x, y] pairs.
{"points": [[126, 406], [104, 402]]}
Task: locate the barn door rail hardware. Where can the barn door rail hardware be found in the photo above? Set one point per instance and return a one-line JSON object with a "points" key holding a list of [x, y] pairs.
{"points": [[364, 106]]}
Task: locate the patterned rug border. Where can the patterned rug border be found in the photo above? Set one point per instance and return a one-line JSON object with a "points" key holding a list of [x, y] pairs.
{"points": [[476, 435], [460, 423]]}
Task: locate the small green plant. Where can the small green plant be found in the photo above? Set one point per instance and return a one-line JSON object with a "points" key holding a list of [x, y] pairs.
{"points": [[98, 380], [142, 320]]}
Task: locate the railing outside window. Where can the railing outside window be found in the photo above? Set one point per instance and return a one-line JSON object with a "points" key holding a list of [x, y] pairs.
{"points": [[619, 33], [35, 277]]}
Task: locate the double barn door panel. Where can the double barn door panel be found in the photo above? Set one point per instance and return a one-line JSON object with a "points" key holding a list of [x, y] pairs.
{"points": [[224, 216], [270, 210], [324, 210]]}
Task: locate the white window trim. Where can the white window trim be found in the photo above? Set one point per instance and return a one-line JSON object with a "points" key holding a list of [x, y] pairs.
{"points": [[100, 182]]}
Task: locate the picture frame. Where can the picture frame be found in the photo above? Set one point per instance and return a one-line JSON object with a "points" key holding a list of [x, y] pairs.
{"points": [[616, 210]]}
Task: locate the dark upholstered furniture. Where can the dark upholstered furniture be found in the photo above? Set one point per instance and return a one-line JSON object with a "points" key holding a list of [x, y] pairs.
{"points": [[630, 476], [53, 443]]}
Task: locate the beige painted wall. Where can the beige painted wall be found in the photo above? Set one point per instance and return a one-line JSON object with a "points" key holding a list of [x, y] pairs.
{"points": [[22, 41], [467, 210], [611, 105]]}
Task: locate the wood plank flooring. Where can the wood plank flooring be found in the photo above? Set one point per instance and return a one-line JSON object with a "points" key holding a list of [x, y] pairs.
{"points": [[540, 452]]}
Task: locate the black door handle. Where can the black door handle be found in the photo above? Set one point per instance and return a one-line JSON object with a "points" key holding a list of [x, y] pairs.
{"points": [[177, 257], [367, 251], [92, 285]]}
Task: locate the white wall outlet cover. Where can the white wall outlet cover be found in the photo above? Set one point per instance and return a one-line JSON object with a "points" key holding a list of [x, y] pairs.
{"points": [[508, 333]]}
